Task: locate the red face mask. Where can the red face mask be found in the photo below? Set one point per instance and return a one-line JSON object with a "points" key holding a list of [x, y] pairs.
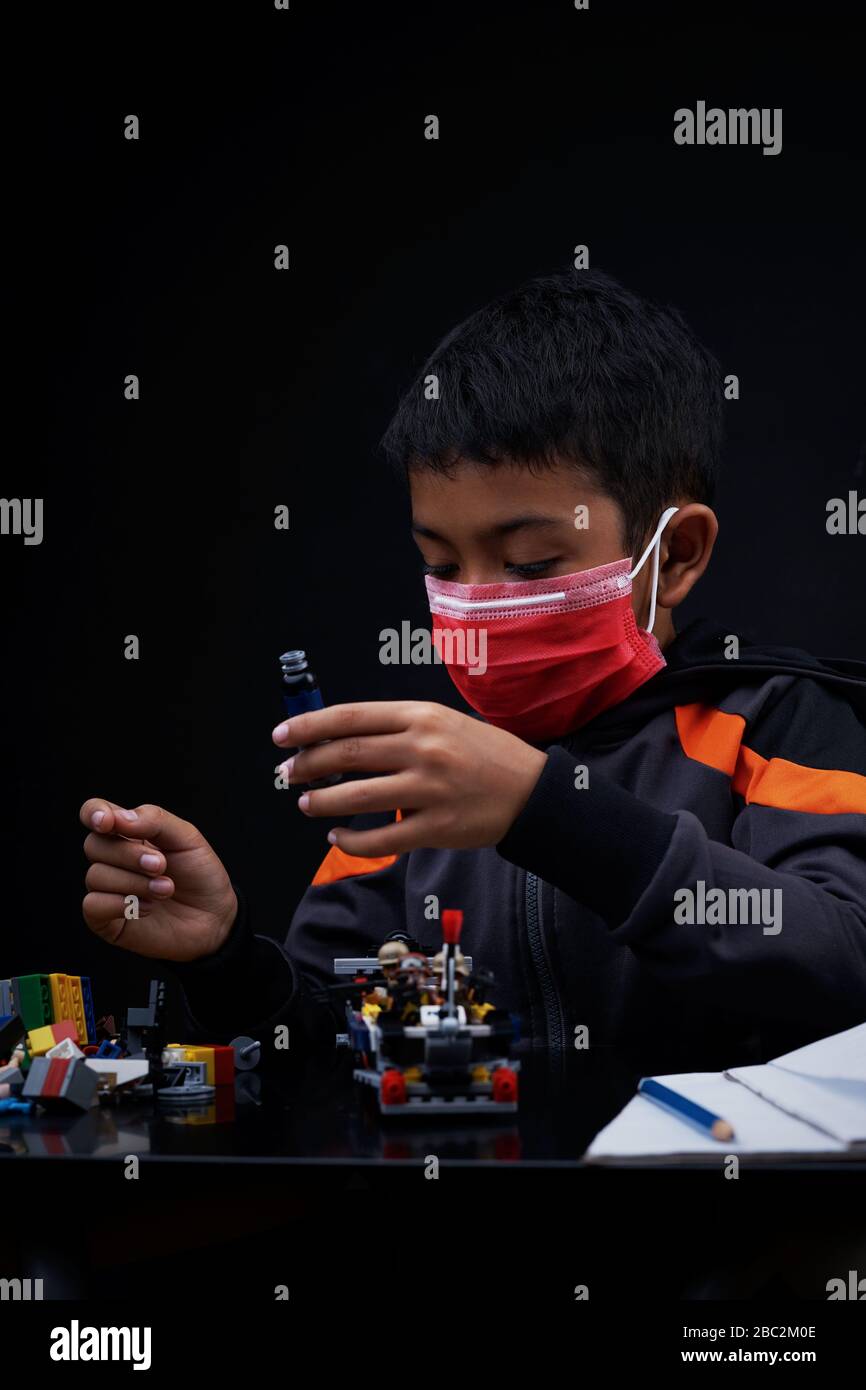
{"points": [[543, 656]]}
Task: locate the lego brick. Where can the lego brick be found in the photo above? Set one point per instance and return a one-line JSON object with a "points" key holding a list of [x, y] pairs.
{"points": [[113, 1072], [65, 1048], [224, 1066], [202, 1054], [33, 1000], [147, 1017], [143, 1031], [89, 1016], [61, 1004], [6, 998], [183, 1078], [9, 1104], [74, 982], [61, 1085], [39, 1040], [219, 1061]]}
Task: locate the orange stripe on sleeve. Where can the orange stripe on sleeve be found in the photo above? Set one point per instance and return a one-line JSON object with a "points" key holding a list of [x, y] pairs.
{"points": [[338, 864], [775, 782], [711, 737]]}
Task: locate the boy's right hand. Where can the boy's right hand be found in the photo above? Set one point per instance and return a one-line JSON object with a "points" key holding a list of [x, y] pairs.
{"points": [[186, 901]]}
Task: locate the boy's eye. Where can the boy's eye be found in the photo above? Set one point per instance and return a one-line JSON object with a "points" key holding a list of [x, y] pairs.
{"points": [[531, 571], [439, 571], [528, 571]]}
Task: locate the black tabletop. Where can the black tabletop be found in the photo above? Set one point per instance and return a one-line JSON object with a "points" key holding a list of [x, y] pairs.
{"points": [[309, 1111], [291, 1173]]}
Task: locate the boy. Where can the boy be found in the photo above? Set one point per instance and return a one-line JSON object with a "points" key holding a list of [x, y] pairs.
{"points": [[651, 834]]}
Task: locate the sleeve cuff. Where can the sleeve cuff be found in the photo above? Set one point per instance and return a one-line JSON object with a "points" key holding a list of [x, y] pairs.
{"points": [[247, 981], [233, 956], [599, 844]]}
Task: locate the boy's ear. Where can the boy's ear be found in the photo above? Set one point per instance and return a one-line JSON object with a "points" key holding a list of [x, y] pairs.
{"points": [[686, 548]]}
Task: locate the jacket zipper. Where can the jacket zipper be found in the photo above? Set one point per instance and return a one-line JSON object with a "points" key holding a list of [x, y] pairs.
{"points": [[552, 1011]]}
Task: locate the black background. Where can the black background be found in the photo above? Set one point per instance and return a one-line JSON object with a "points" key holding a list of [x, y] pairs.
{"points": [[259, 388]]}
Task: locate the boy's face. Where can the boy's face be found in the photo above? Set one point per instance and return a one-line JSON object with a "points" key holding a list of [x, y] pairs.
{"points": [[485, 525]]}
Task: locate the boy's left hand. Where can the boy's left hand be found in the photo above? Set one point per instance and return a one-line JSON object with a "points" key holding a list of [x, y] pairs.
{"points": [[459, 783]]}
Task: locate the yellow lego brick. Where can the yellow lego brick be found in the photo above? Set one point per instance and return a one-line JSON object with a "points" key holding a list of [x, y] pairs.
{"points": [[61, 1003], [203, 1054], [39, 1040], [194, 1052], [77, 1001]]}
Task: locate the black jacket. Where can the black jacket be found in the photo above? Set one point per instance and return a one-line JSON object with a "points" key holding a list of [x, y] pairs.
{"points": [[735, 773]]}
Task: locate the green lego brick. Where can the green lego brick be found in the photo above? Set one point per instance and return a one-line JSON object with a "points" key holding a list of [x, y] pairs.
{"points": [[32, 995]]}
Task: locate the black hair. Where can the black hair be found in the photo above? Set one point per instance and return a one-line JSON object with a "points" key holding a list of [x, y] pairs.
{"points": [[572, 367]]}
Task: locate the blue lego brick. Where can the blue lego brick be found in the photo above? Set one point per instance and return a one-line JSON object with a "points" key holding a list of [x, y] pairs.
{"points": [[89, 1016]]}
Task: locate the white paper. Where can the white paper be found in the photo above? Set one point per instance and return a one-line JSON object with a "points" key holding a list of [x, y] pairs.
{"points": [[645, 1130], [823, 1083], [844, 1054]]}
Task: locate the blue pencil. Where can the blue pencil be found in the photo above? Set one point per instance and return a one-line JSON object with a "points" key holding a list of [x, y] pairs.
{"points": [[685, 1109]]}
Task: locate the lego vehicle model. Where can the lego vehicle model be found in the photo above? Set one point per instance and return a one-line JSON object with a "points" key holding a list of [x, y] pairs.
{"points": [[423, 1033]]}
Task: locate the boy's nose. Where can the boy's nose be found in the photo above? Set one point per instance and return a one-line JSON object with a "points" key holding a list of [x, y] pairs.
{"points": [[481, 572]]}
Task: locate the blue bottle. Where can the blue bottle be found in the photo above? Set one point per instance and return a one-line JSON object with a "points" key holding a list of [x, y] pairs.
{"points": [[300, 691]]}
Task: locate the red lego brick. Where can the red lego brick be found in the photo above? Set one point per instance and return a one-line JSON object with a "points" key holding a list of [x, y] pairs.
{"points": [[224, 1066], [65, 1028]]}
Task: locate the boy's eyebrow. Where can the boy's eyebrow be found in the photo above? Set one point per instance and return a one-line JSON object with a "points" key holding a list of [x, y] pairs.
{"points": [[502, 528]]}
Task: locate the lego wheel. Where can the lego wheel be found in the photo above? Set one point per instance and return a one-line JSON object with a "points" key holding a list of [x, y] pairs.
{"points": [[504, 1085], [392, 1088]]}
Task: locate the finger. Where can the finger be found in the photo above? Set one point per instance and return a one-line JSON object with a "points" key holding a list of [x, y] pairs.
{"points": [[397, 838], [341, 721], [356, 798], [135, 855], [358, 753], [105, 878], [107, 817], [103, 913], [144, 822]]}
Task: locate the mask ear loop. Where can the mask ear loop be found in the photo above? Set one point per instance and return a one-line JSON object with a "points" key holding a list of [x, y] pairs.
{"points": [[654, 547]]}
